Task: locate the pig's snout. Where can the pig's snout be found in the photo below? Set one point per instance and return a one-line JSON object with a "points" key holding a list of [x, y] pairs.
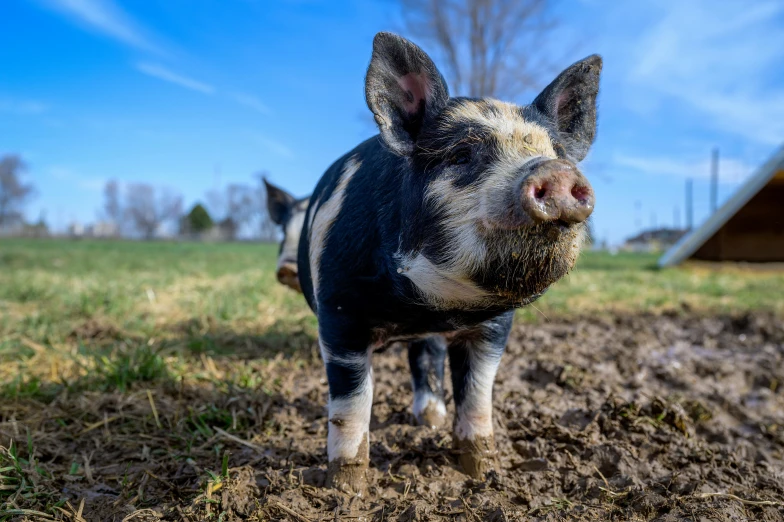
{"points": [[555, 191], [287, 274]]}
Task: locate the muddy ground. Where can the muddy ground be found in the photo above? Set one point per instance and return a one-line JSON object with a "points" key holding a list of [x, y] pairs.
{"points": [[632, 418]]}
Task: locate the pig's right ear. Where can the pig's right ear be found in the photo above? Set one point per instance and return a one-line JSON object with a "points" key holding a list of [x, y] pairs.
{"points": [[403, 89], [569, 102], [278, 202]]}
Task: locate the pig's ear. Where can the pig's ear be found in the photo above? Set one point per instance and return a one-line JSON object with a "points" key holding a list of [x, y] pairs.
{"points": [[569, 102], [403, 89], [279, 202]]}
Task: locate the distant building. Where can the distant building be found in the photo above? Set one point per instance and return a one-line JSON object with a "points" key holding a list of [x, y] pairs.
{"points": [[99, 229], [654, 240], [76, 229], [103, 229], [748, 227]]}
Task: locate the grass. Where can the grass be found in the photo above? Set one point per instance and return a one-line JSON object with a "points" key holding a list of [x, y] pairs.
{"points": [[105, 315], [632, 283], [178, 341], [113, 316], [90, 315], [109, 316]]}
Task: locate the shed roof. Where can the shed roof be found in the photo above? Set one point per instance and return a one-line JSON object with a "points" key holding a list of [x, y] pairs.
{"points": [[692, 241]]}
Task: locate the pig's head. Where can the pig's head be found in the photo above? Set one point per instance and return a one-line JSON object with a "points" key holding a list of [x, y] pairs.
{"points": [[494, 202], [288, 212]]}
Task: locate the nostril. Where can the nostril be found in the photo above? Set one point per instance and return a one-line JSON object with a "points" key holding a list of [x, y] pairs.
{"points": [[581, 193], [540, 192]]}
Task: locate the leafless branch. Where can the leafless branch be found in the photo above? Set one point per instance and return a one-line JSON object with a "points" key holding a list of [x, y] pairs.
{"points": [[14, 193], [490, 47], [147, 211]]}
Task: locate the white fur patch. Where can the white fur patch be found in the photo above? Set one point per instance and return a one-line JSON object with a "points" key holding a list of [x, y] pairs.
{"points": [[353, 415], [293, 233], [312, 214], [323, 218], [474, 418], [516, 136], [424, 399], [349, 417], [440, 287]]}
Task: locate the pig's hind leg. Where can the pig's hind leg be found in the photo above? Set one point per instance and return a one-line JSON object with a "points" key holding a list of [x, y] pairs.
{"points": [[474, 358], [426, 359], [350, 378]]}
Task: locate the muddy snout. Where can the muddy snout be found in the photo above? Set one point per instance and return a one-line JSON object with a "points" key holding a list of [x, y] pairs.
{"points": [[555, 191], [287, 275]]}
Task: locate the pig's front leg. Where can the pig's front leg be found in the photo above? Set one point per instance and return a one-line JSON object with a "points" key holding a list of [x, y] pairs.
{"points": [[473, 359], [350, 378], [426, 359]]}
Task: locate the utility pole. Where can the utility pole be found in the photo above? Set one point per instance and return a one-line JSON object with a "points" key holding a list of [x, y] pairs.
{"points": [[714, 195], [689, 203]]}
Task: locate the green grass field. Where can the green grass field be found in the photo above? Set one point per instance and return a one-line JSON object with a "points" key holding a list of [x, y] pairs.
{"points": [[90, 314], [88, 327]]}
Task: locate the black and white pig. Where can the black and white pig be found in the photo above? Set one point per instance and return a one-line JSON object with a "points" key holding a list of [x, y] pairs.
{"points": [[289, 213], [459, 212], [428, 407]]}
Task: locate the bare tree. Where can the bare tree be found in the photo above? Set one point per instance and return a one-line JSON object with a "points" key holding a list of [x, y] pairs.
{"points": [[268, 231], [148, 211], [13, 192], [236, 206], [241, 207], [216, 202], [490, 47], [112, 209]]}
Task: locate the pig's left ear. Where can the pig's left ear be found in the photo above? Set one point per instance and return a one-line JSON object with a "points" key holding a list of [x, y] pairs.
{"points": [[570, 103], [403, 89], [279, 202]]}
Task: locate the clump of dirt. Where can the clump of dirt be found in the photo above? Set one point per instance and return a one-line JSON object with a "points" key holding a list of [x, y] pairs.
{"points": [[94, 330], [630, 418]]}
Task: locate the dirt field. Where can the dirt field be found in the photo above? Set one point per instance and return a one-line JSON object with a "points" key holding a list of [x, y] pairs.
{"points": [[641, 417]]}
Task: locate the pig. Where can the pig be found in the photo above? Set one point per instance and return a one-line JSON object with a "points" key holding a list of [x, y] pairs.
{"points": [[289, 213], [426, 356], [435, 231]]}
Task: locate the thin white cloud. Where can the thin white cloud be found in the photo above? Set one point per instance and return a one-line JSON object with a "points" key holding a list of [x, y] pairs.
{"points": [[162, 73], [92, 184], [720, 59], [107, 18], [275, 146], [23, 107], [251, 102], [731, 170]]}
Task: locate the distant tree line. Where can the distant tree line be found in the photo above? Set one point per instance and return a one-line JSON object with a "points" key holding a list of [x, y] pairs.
{"points": [[143, 210], [146, 211]]}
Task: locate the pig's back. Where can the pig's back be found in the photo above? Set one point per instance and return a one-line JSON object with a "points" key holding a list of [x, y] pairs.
{"points": [[343, 250]]}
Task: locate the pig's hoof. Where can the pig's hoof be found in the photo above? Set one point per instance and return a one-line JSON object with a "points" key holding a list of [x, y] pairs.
{"points": [[433, 415], [348, 476], [477, 456]]}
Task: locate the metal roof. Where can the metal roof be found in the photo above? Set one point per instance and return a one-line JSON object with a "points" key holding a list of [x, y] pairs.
{"points": [[689, 243]]}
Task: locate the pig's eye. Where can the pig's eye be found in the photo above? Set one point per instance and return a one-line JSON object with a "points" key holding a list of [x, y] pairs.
{"points": [[460, 157]]}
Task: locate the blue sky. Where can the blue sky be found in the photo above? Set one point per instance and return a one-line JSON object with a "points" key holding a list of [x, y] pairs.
{"points": [[173, 92]]}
